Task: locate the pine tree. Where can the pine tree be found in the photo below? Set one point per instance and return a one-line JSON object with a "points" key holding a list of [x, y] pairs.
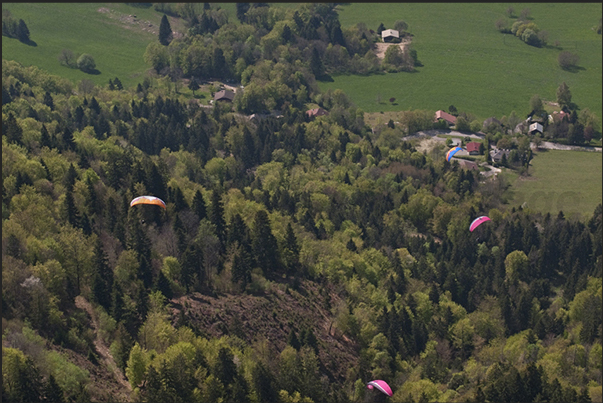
{"points": [[48, 101], [118, 84], [238, 232], [225, 369], [138, 241], [70, 177], [12, 129], [45, 140], [156, 182], [179, 230], [219, 66], [52, 391], [292, 248], [102, 282], [351, 245], [94, 105], [73, 216], [242, 9], [163, 284], [179, 200], [216, 217], [192, 263], [68, 142], [165, 31], [264, 243], [309, 339], [293, 341], [264, 384], [287, 34], [241, 270], [316, 66], [336, 35], [193, 85]]}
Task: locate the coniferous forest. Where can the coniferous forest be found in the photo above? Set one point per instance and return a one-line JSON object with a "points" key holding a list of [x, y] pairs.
{"points": [[298, 258]]}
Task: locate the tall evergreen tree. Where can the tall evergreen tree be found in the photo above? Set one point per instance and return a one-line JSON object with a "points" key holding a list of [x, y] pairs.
{"points": [[138, 241], [292, 249], [241, 269], [316, 66], [102, 281], [118, 84], [48, 101], [216, 216], [52, 391], [73, 216], [199, 206], [192, 266], [219, 66], [67, 140], [242, 9], [264, 243], [264, 384], [165, 31], [45, 140], [12, 129], [225, 369]]}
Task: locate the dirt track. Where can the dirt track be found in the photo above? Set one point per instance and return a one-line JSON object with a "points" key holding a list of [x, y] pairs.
{"points": [[101, 347]]}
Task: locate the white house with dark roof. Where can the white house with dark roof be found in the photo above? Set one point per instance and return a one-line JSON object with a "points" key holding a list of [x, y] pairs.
{"points": [[535, 128], [388, 34]]}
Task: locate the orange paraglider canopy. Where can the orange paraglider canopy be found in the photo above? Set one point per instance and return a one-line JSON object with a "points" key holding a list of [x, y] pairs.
{"points": [[147, 200]]}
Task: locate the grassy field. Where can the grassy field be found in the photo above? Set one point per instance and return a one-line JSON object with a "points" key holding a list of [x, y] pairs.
{"points": [[569, 181], [466, 61], [116, 45], [469, 64]]}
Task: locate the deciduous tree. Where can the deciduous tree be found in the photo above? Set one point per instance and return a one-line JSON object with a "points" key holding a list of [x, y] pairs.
{"points": [[86, 63], [564, 95]]}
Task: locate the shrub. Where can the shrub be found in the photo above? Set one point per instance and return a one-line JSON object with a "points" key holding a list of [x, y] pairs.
{"points": [[86, 63], [567, 60]]}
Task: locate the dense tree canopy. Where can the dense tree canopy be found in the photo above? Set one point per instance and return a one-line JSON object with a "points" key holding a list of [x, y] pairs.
{"points": [[297, 258]]}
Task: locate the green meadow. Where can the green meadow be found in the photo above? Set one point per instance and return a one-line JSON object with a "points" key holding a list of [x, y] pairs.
{"points": [[568, 181], [117, 47], [469, 64]]}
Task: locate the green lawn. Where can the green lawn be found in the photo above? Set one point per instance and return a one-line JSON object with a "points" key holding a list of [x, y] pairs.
{"points": [[569, 181], [469, 64], [117, 48]]}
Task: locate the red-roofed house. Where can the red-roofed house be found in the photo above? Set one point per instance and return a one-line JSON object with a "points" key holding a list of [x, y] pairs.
{"points": [[316, 112], [473, 148], [559, 115], [446, 116]]}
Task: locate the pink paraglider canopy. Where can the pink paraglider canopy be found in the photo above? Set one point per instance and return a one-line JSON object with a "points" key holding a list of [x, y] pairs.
{"points": [[477, 222], [381, 386]]}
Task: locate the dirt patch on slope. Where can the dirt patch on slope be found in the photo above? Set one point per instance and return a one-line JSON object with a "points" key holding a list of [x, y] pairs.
{"points": [[131, 21], [272, 316], [381, 47]]}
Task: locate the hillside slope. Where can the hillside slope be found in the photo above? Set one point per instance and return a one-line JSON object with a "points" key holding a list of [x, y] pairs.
{"points": [[272, 316]]}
